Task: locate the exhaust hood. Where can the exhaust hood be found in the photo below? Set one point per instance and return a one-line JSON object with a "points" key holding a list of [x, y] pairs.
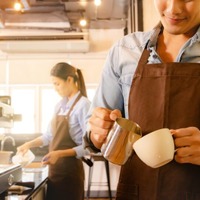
{"points": [[43, 41]]}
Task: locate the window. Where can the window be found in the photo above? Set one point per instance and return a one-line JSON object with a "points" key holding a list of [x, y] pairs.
{"points": [[36, 105], [23, 100]]}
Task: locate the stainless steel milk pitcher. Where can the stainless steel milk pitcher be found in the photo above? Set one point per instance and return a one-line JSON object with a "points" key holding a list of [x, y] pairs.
{"points": [[118, 146]]}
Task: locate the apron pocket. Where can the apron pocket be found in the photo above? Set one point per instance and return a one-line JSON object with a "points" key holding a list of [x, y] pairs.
{"points": [[127, 192]]}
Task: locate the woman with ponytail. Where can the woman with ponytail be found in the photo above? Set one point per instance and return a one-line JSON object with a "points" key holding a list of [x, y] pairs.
{"points": [[64, 135]]}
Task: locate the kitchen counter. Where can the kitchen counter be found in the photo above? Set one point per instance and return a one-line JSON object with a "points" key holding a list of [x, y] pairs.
{"points": [[36, 173]]}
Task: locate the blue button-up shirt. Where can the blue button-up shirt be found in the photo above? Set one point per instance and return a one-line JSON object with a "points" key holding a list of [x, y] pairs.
{"points": [[122, 61], [77, 121]]}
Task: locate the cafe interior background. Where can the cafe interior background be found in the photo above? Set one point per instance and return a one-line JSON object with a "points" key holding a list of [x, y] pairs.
{"points": [[45, 32]]}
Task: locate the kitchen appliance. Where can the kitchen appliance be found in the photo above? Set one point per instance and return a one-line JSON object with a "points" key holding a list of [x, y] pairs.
{"points": [[9, 175], [7, 116]]}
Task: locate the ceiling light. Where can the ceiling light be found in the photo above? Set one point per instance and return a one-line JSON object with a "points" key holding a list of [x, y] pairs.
{"points": [[17, 6], [97, 2], [83, 2], [83, 22]]}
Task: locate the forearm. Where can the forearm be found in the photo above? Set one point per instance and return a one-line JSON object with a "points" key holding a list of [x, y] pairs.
{"points": [[34, 143], [66, 153], [88, 144]]}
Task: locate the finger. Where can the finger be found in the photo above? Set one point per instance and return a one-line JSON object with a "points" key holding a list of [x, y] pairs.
{"points": [[184, 132], [183, 141], [100, 123], [46, 158], [102, 132], [183, 151], [102, 113], [22, 151], [188, 159], [99, 138]]}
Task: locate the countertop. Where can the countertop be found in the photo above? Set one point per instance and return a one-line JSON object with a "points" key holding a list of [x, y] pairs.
{"points": [[34, 172]]}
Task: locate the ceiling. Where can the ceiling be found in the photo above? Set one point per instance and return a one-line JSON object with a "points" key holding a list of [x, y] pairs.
{"points": [[64, 14]]}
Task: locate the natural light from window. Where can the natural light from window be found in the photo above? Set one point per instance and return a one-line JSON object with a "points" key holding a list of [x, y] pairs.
{"points": [[35, 103]]}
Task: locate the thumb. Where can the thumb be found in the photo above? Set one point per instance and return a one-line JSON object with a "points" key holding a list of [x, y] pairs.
{"points": [[115, 114]]}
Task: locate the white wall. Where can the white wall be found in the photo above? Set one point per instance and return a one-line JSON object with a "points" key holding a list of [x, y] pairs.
{"points": [[34, 68], [150, 15]]}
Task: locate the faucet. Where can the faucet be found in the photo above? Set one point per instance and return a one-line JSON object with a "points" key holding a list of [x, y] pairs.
{"points": [[6, 138]]}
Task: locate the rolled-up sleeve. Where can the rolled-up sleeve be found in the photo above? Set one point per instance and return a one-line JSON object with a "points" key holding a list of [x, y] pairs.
{"points": [[47, 136]]}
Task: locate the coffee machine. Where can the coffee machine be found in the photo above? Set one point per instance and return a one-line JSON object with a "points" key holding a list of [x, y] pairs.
{"points": [[7, 116], [9, 173]]}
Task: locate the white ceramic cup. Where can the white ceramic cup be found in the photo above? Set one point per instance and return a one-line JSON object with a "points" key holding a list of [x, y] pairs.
{"points": [[156, 148]]}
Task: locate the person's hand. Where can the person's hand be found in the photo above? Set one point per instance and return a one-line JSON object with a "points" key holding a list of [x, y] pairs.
{"points": [[187, 144], [51, 158], [101, 121], [23, 148]]}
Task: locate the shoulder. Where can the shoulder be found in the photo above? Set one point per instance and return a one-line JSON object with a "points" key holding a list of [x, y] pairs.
{"points": [[126, 52], [84, 101], [134, 40], [128, 48], [58, 105]]}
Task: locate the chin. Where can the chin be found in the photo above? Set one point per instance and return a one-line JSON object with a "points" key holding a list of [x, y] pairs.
{"points": [[172, 29]]}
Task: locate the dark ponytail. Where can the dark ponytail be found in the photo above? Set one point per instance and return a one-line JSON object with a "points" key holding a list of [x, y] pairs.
{"points": [[81, 83]]}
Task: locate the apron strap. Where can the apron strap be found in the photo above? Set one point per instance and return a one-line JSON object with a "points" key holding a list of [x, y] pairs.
{"points": [[77, 99], [143, 60]]}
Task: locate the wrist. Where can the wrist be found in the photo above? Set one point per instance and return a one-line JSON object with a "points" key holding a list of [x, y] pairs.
{"points": [[89, 144], [96, 144], [28, 145]]}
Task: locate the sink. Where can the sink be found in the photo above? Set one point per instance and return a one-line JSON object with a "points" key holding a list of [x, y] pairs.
{"points": [[5, 157], [6, 167], [3, 168]]}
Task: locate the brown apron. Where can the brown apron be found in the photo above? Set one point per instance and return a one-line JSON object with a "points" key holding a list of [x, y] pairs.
{"points": [[66, 177], [162, 95]]}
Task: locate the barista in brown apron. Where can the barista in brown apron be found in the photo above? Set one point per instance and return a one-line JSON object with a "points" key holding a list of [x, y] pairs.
{"points": [[162, 95], [66, 177]]}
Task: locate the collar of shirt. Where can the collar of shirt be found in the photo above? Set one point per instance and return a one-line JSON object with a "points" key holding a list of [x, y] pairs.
{"points": [[190, 47], [65, 104], [158, 28]]}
